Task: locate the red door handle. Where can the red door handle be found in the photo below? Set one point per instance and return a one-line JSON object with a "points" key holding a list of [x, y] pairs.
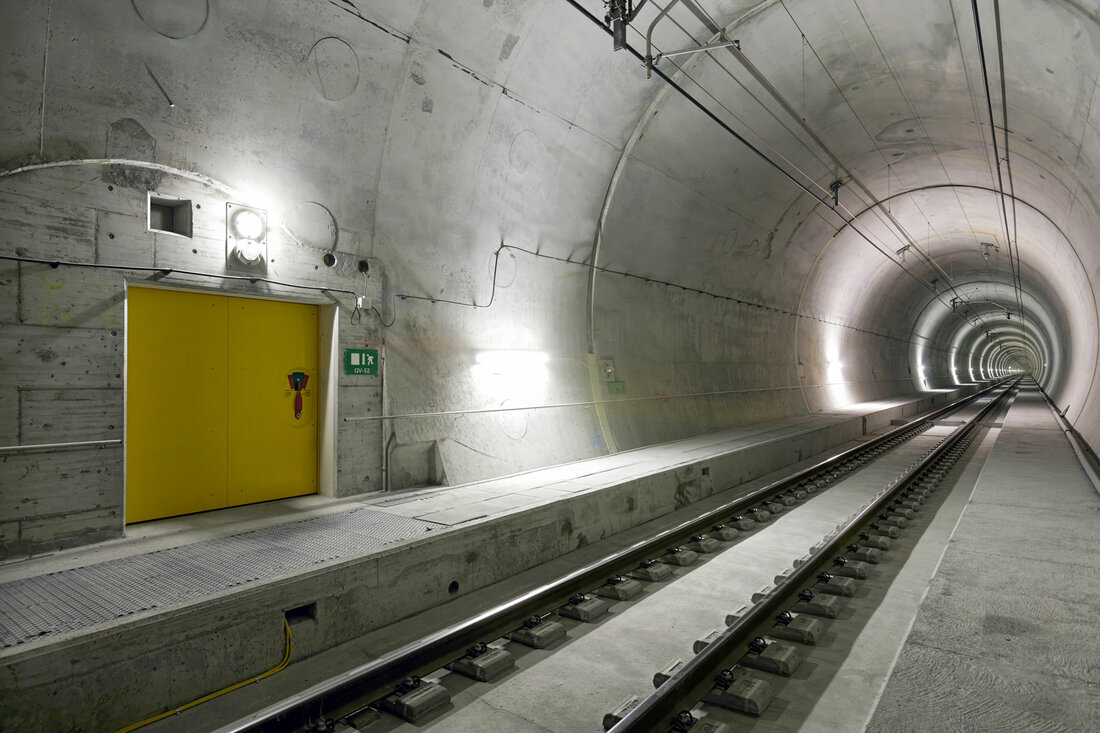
{"points": [[298, 381]]}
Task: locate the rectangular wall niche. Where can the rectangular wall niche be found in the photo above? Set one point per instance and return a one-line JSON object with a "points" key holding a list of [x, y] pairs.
{"points": [[169, 215]]}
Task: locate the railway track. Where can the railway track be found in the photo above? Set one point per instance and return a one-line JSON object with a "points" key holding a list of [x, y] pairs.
{"points": [[868, 502]]}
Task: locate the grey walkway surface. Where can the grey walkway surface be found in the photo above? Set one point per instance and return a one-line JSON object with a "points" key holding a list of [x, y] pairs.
{"points": [[45, 598], [1007, 638], [54, 603]]}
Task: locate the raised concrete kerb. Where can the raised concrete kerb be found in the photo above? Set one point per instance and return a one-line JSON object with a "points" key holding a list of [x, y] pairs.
{"points": [[178, 654]]}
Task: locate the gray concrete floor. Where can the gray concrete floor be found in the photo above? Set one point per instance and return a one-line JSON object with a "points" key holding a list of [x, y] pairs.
{"points": [[319, 667], [570, 688], [982, 627], [1006, 637], [835, 689]]}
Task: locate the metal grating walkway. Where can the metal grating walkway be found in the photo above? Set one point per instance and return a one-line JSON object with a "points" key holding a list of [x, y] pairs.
{"points": [[69, 600]]}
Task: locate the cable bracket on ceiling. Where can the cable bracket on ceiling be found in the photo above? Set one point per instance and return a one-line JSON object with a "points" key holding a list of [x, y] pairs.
{"points": [[835, 188], [618, 15], [652, 61]]}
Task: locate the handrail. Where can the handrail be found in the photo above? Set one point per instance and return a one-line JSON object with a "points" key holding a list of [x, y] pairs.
{"points": [[377, 677], [54, 446]]}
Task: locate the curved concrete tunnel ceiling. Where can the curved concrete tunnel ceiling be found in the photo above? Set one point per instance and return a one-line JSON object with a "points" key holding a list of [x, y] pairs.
{"points": [[484, 154], [943, 223]]}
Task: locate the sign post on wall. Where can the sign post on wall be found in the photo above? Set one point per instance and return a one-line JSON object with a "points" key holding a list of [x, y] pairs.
{"points": [[360, 361]]}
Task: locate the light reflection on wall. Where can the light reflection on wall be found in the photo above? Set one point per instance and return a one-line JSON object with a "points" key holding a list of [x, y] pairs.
{"points": [[920, 367], [839, 392], [511, 375]]}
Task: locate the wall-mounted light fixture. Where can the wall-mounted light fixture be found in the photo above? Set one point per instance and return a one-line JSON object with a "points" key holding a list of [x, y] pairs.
{"points": [[245, 238]]}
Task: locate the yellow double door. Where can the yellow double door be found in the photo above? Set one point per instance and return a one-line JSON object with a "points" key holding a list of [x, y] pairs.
{"points": [[221, 402]]}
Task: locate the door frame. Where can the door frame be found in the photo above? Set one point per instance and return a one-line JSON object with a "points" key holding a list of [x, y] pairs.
{"points": [[328, 339]]}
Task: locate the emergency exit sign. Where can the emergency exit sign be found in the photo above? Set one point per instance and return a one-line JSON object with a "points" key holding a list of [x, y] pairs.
{"points": [[360, 361]]}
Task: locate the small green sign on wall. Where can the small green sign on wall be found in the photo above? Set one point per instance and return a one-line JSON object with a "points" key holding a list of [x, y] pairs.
{"points": [[360, 361]]}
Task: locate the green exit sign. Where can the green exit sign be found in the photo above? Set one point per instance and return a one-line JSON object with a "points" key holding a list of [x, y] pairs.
{"points": [[360, 361]]}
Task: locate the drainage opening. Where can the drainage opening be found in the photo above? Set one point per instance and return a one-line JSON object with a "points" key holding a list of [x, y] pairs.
{"points": [[453, 587], [307, 612]]}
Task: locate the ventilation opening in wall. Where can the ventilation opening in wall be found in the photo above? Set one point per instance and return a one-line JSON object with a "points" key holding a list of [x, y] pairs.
{"points": [[307, 612], [169, 215]]}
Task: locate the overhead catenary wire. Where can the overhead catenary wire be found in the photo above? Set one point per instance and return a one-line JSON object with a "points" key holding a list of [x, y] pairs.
{"points": [[920, 120], [993, 137], [875, 206], [1014, 243], [752, 148], [897, 228], [848, 220], [871, 138]]}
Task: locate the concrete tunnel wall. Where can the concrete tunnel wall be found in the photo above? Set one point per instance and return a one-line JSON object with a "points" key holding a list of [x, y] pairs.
{"points": [[422, 136]]}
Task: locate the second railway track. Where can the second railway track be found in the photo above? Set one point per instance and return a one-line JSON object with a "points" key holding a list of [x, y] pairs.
{"points": [[611, 653]]}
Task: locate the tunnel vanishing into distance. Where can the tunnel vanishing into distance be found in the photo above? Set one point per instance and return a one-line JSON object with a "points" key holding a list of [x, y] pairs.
{"points": [[558, 249], [326, 325]]}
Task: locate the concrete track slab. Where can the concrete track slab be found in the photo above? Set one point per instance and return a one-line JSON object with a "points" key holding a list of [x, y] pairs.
{"points": [[352, 595], [1005, 638], [572, 688]]}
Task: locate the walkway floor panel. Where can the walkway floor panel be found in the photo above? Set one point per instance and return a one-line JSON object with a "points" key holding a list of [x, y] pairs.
{"points": [[1006, 637]]}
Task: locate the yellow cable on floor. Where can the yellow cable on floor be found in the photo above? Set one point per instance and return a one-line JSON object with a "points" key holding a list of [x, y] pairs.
{"points": [[219, 693]]}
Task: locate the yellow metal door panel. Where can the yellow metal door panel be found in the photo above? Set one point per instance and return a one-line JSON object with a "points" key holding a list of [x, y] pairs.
{"points": [[272, 449], [175, 403]]}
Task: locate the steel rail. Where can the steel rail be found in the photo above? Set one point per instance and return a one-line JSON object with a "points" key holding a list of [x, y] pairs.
{"points": [[378, 677], [656, 712]]}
